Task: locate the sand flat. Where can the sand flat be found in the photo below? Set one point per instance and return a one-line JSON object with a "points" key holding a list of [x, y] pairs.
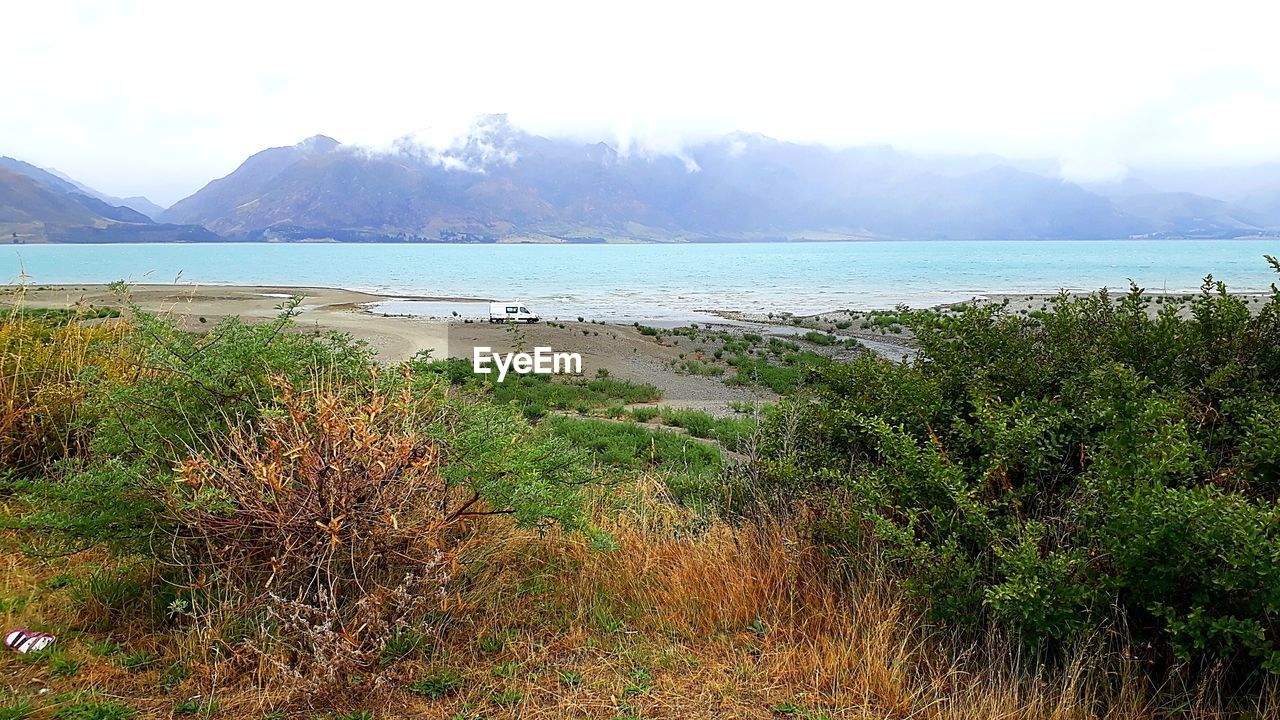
{"points": [[619, 349], [199, 307]]}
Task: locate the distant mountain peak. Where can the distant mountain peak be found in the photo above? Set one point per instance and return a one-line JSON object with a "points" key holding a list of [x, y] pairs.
{"points": [[318, 144]]}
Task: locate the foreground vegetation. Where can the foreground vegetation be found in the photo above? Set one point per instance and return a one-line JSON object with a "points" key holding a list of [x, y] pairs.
{"points": [[1069, 513]]}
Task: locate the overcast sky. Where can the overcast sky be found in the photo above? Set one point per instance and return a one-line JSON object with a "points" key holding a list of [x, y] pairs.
{"points": [[157, 98]]}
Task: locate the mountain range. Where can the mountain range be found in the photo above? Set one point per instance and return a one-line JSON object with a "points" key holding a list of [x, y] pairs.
{"points": [[501, 184], [38, 205]]}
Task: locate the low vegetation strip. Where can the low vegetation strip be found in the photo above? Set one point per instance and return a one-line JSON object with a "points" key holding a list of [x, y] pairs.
{"points": [[535, 395]]}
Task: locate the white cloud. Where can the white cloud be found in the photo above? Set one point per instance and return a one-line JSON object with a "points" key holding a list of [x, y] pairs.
{"points": [[158, 97]]}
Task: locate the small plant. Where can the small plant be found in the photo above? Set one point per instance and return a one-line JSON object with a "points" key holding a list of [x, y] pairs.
{"points": [[173, 674], [639, 681], [111, 593], [491, 643], [506, 698], [571, 678], [195, 706], [402, 645], [63, 666], [105, 648], [136, 661], [445, 682], [17, 710], [95, 710], [57, 582]]}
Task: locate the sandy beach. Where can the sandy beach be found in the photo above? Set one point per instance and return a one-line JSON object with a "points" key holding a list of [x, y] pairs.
{"points": [[619, 349], [197, 308]]}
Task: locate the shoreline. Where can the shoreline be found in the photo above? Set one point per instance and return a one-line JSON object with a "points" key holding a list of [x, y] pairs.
{"points": [[375, 295], [625, 350]]}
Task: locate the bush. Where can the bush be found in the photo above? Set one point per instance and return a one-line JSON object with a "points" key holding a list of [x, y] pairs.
{"points": [[1047, 472], [339, 514], [135, 399], [196, 386], [794, 371]]}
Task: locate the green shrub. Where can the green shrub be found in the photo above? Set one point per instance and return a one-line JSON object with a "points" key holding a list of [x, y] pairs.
{"points": [[197, 386], [1046, 473], [630, 446], [820, 338], [794, 370], [644, 414], [57, 317]]}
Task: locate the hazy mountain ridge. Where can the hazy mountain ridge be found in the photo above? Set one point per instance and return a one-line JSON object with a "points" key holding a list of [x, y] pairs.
{"points": [[59, 181], [37, 205], [500, 183]]}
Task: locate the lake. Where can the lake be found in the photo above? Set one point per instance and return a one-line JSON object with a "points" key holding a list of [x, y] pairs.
{"points": [[622, 282]]}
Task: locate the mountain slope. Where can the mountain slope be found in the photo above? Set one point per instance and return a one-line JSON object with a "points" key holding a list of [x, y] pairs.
{"points": [[1188, 214], [220, 197], [24, 200], [59, 182], [35, 211]]}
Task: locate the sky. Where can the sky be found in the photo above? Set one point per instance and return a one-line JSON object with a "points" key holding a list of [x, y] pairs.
{"points": [[158, 98]]}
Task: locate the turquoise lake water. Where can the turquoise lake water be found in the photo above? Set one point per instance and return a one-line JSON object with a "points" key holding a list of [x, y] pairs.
{"points": [[655, 281]]}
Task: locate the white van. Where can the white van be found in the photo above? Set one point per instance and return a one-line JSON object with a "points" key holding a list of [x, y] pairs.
{"points": [[510, 311]]}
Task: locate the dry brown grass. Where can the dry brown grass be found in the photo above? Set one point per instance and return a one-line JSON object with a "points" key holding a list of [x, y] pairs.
{"points": [[747, 622], [45, 373], [676, 621]]}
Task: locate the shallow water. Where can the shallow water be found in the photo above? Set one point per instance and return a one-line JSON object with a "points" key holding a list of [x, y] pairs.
{"points": [[657, 282]]}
